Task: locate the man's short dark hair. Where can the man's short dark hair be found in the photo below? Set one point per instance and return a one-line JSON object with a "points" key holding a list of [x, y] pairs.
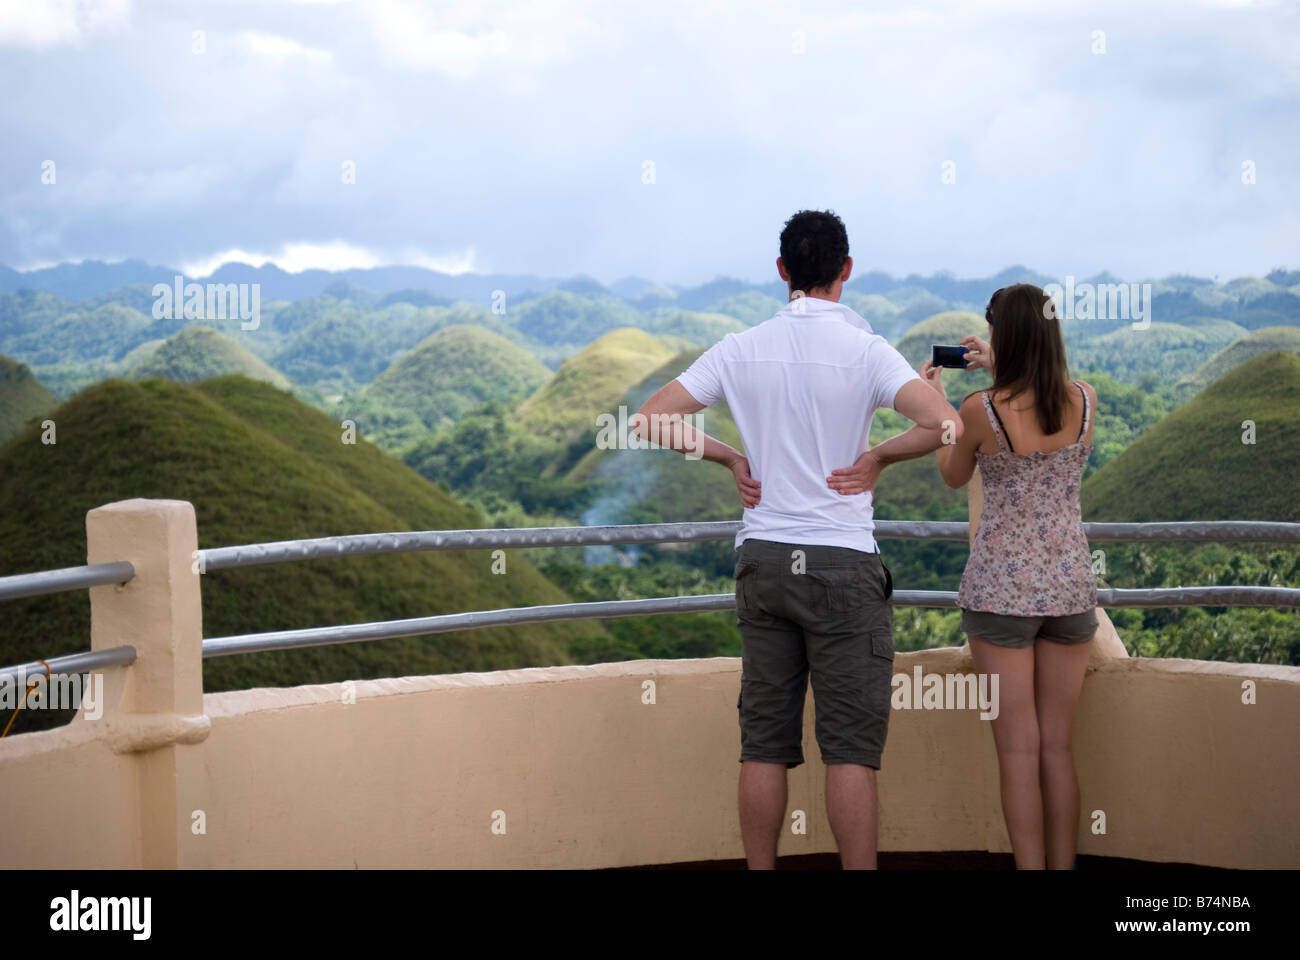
{"points": [[814, 246]]}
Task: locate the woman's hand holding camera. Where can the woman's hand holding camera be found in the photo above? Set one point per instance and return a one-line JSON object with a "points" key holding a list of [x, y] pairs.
{"points": [[978, 353]]}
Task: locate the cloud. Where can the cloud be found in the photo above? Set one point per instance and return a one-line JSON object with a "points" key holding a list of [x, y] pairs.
{"points": [[408, 39], [280, 48], [335, 255], [463, 41], [513, 133], [45, 24]]}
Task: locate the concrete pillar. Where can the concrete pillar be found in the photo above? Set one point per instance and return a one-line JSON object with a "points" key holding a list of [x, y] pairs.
{"points": [[159, 612], [153, 709]]}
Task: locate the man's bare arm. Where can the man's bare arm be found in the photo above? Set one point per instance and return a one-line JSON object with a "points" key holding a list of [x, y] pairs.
{"points": [[661, 420], [923, 402]]}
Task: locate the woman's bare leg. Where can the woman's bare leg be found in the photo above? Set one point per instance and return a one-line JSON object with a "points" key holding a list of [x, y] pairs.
{"points": [[1015, 731], [1058, 681]]}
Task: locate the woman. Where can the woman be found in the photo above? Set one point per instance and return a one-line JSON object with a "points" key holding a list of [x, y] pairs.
{"points": [[1028, 594]]}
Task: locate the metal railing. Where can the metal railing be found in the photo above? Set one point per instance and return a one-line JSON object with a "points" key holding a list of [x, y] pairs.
{"points": [[60, 581], [283, 551], [220, 558], [1284, 597], [122, 656]]}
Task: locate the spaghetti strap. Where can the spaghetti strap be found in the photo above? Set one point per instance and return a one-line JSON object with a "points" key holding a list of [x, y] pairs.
{"points": [[1083, 427], [999, 431]]}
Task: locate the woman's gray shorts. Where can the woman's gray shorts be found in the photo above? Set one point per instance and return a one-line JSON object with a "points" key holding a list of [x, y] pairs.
{"points": [[1010, 631]]}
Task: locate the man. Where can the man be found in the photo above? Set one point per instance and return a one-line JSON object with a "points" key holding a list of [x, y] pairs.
{"points": [[811, 591]]}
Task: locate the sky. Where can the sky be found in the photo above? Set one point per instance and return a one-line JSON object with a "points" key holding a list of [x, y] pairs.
{"points": [[666, 140]]}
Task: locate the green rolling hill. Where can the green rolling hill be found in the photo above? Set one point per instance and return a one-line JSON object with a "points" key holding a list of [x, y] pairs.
{"points": [[260, 465], [507, 460], [562, 320], [751, 307], [694, 328], [1193, 463], [44, 330], [339, 346], [1238, 352], [201, 353], [950, 327], [1163, 350], [649, 486], [885, 317], [138, 355], [522, 478], [564, 410], [22, 397], [660, 486], [441, 379]]}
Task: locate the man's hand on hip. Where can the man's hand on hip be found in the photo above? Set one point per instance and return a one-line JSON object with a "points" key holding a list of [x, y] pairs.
{"points": [[749, 487], [859, 478]]}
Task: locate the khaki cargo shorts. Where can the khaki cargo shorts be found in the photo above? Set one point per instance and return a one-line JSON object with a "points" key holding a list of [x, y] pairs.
{"points": [[832, 621]]}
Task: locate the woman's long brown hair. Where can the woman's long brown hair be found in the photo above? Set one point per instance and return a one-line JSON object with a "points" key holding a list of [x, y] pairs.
{"points": [[1029, 352]]}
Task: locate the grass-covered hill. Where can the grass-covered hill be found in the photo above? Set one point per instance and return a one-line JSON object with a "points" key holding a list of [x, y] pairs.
{"points": [[445, 376], [1259, 302], [22, 397], [339, 346], [634, 485], [1194, 465], [41, 329], [751, 307], [694, 328], [260, 465], [1164, 350], [914, 305], [522, 478], [950, 327], [1236, 353], [514, 463], [201, 353], [886, 318], [565, 408], [336, 337], [652, 485], [565, 319]]}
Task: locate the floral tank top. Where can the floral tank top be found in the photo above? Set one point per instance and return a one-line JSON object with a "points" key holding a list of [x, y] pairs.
{"points": [[1030, 557]]}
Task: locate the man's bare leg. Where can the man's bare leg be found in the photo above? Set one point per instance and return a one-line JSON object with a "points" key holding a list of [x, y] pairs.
{"points": [[762, 811], [851, 809]]}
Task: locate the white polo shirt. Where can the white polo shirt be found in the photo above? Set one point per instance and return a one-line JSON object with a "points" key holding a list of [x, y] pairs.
{"points": [[803, 388]]}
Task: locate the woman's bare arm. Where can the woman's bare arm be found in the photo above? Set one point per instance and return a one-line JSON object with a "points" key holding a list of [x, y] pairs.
{"points": [[957, 460]]}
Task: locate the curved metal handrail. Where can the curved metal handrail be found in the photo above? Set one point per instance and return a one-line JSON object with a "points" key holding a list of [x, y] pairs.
{"points": [[1285, 597], [282, 551], [75, 578]]}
